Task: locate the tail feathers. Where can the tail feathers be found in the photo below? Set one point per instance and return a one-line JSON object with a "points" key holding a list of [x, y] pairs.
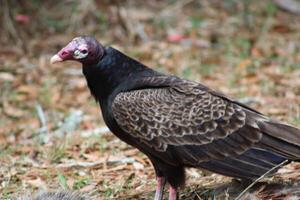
{"points": [[281, 131], [249, 165], [289, 151], [281, 138], [226, 169], [262, 157]]}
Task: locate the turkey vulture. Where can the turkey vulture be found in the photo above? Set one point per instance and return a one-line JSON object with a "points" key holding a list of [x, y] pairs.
{"points": [[179, 123]]}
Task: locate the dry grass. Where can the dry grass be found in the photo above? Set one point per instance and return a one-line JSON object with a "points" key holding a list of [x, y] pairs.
{"points": [[51, 133]]}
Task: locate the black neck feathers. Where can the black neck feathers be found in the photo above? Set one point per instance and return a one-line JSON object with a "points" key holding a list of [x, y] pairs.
{"points": [[113, 71]]}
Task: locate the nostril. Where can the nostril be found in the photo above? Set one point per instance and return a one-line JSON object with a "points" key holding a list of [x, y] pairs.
{"points": [[84, 51], [64, 53]]}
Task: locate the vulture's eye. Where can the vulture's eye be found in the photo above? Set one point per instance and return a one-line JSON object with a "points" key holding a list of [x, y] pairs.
{"points": [[79, 54]]}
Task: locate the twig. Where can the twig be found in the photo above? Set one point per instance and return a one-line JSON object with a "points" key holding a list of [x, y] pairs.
{"points": [[11, 26], [197, 195], [125, 160], [258, 179], [41, 114], [97, 131]]}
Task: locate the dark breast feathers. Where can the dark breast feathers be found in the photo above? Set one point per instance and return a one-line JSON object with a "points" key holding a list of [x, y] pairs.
{"points": [[185, 114]]}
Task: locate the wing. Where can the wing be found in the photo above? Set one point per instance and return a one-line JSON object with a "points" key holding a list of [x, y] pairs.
{"points": [[200, 127], [185, 114]]}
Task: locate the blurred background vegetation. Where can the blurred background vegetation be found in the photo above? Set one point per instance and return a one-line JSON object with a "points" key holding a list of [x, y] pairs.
{"points": [[249, 49]]}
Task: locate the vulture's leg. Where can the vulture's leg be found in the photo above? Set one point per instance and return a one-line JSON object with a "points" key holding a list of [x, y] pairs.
{"points": [[172, 193], [160, 184]]}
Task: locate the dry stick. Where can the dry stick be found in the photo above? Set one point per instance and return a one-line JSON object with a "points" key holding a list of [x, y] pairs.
{"points": [[126, 160], [261, 177], [43, 121], [197, 195], [11, 26]]}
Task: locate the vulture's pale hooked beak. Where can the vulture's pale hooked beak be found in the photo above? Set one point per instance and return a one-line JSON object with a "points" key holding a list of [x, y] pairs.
{"points": [[55, 59]]}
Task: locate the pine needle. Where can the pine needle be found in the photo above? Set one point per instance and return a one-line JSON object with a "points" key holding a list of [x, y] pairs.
{"points": [[258, 179]]}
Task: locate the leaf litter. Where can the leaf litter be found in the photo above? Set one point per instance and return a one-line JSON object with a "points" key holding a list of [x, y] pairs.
{"points": [[52, 136]]}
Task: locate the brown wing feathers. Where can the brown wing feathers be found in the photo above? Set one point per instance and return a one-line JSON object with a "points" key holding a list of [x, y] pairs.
{"points": [[171, 118], [177, 118]]}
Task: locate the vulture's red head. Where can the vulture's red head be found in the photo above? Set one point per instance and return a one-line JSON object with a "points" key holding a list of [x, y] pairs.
{"points": [[84, 49]]}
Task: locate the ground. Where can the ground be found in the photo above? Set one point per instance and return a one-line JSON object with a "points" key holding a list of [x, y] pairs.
{"points": [[52, 135]]}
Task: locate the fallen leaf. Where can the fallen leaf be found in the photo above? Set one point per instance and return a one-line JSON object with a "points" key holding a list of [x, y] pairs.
{"points": [[244, 63], [12, 111], [30, 90], [5, 76], [37, 183]]}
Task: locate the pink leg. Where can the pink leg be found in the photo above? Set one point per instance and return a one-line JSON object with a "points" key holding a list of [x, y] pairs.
{"points": [[172, 193], [160, 184]]}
